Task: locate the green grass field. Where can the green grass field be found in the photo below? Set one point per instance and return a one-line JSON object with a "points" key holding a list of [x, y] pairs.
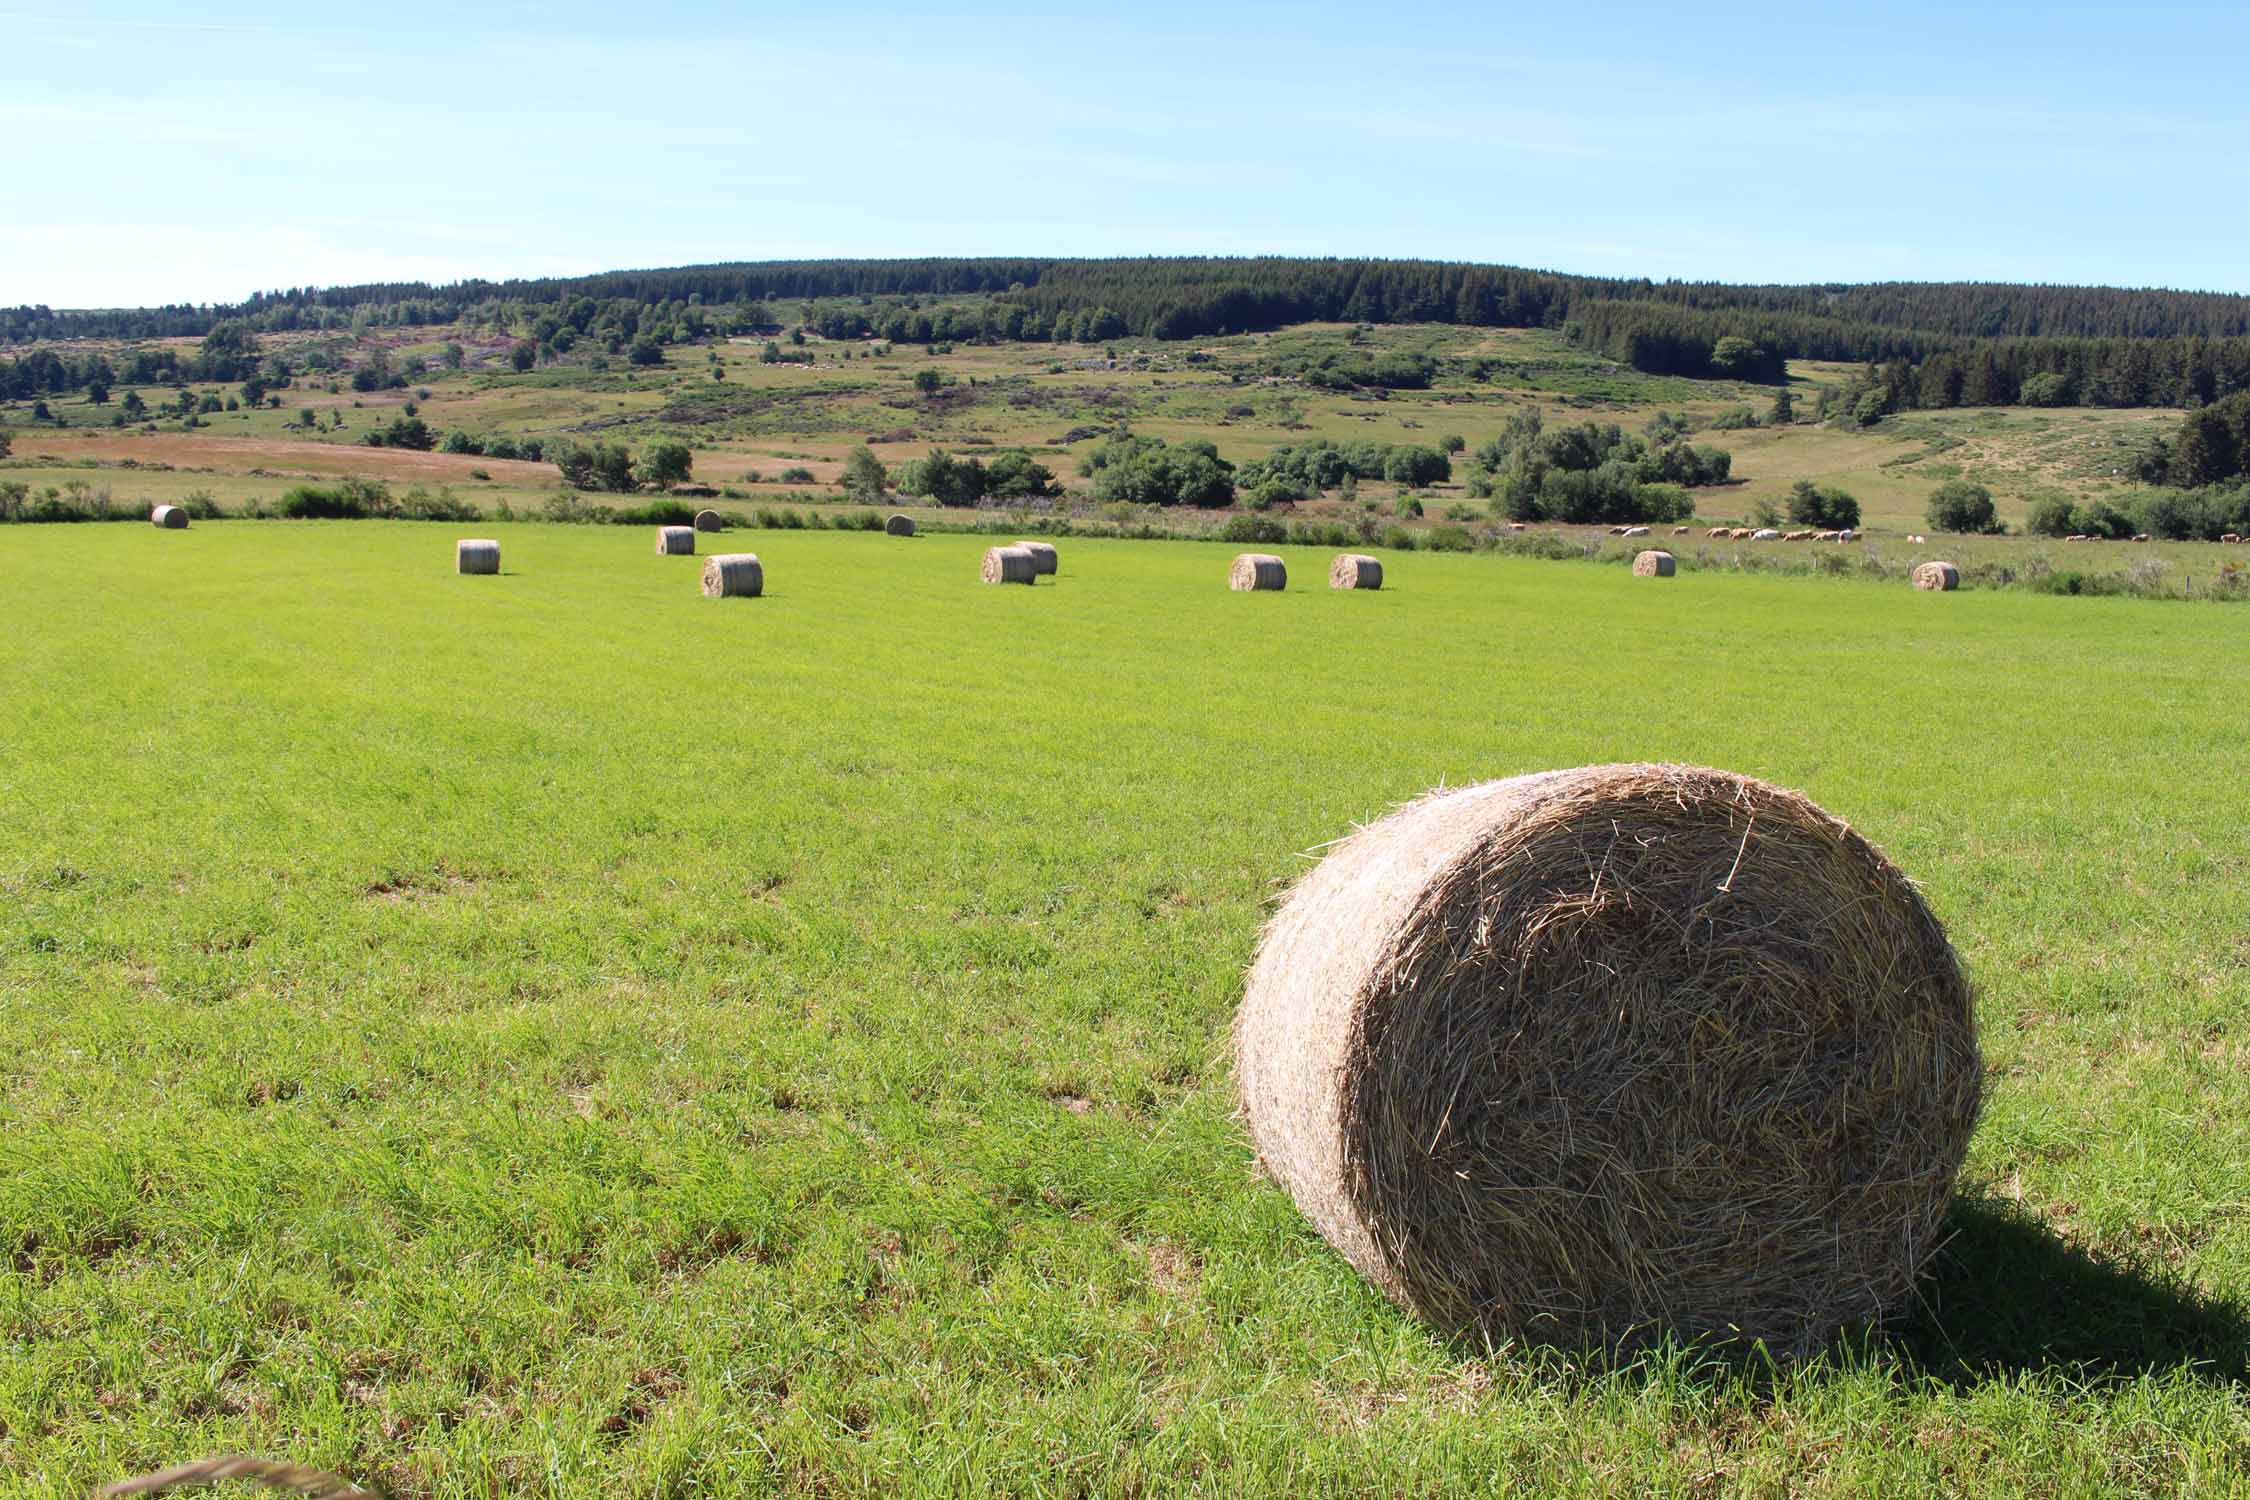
{"points": [[557, 1035]]}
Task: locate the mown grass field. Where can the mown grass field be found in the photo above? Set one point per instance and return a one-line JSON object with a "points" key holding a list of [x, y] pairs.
{"points": [[556, 1035]]}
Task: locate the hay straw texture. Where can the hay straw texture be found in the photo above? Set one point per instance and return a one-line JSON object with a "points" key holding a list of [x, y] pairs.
{"points": [[675, 541], [1654, 564], [476, 555], [709, 520], [1355, 570], [733, 575], [261, 1472], [168, 518], [1940, 576], [1009, 565], [1584, 1056], [899, 526], [1043, 556], [1257, 570]]}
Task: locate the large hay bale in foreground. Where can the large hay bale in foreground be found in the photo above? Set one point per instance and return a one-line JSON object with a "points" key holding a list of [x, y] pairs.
{"points": [[1009, 565], [733, 575], [1355, 570], [476, 555], [1654, 564], [710, 520], [675, 541], [168, 518], [1591, 1055], [899, 526], [1938, 576], [1257, 570], [1043, 556]]}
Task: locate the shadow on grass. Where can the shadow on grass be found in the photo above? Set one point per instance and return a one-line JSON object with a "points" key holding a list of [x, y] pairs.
{"points": [[2007, 1295]]}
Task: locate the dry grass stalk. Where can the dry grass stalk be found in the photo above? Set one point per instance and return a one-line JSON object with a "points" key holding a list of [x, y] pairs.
{"points": [[675, 541], [1257, 570], [733, 575], [899, 526], [1937, 576], [168, 518], [476, 555], [1043, 556], [1009, 565], [1654, 564], [709, 520], [1355, 570], [259, 1471], [1584, 1056]]}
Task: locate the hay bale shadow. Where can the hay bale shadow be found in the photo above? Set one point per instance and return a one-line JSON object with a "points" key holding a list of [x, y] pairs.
{"points": [[2007, 1295]]}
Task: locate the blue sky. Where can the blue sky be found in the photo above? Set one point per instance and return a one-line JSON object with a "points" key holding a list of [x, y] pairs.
{"points": [[169, 152]]}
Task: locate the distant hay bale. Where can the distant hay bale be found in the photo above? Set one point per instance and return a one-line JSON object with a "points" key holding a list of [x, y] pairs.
{"points": [[1251, 571], [476, 555], [1355, 570], [168, 518], [1938, 576], [1588, 1056], [733, 575], [1654, 564], [899, 526], [675, 541], [710, 520], [1042, 556], [1009, 565]]}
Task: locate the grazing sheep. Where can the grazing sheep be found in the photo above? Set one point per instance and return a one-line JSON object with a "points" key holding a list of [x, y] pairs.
{"points": [[1739, 534], [1716, 534], [1634, 531], [1679, 531], [1765, 534]]}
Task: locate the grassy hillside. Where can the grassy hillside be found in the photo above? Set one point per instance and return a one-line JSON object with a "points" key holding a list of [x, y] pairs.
{"points": [[762, 420], [554, 1034]]}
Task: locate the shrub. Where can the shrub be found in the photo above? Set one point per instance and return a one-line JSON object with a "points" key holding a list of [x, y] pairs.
{"points": [[797, 475], [1408, 507], [1449, 539], [2051, 515], [1822, 506], [1398, 538], [655, 513], [1253, 528], [1958, 505]]}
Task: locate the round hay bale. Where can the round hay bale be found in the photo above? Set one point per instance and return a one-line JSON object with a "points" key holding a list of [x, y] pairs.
{"points": [[168, 518], [1009, 565], [675, 541], [1257, 570], [733, 575], [1355, 570], [1592, 1055], [710, 520], [1940, 577], [1043, 556], [1653, 564], [476, 555], [899, 526]]}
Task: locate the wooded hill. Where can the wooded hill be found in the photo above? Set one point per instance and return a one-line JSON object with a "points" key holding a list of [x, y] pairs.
{"points": [[1991, 343]]}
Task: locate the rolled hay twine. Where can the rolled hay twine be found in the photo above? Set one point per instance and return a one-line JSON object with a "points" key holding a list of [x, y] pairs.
{"points": [[1587, 1056], [1257, 570], [1009, 565], [1043, 558], [264, 1473], [899, 526], [476, 555], [709, 520], [733, 575], [1654, 564], [1939, 576], [168, 518], [1355, 570], [675, 541]]}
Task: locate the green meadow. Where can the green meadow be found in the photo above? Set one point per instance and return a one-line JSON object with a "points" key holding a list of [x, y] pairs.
{"points": [[554, 1034]]}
